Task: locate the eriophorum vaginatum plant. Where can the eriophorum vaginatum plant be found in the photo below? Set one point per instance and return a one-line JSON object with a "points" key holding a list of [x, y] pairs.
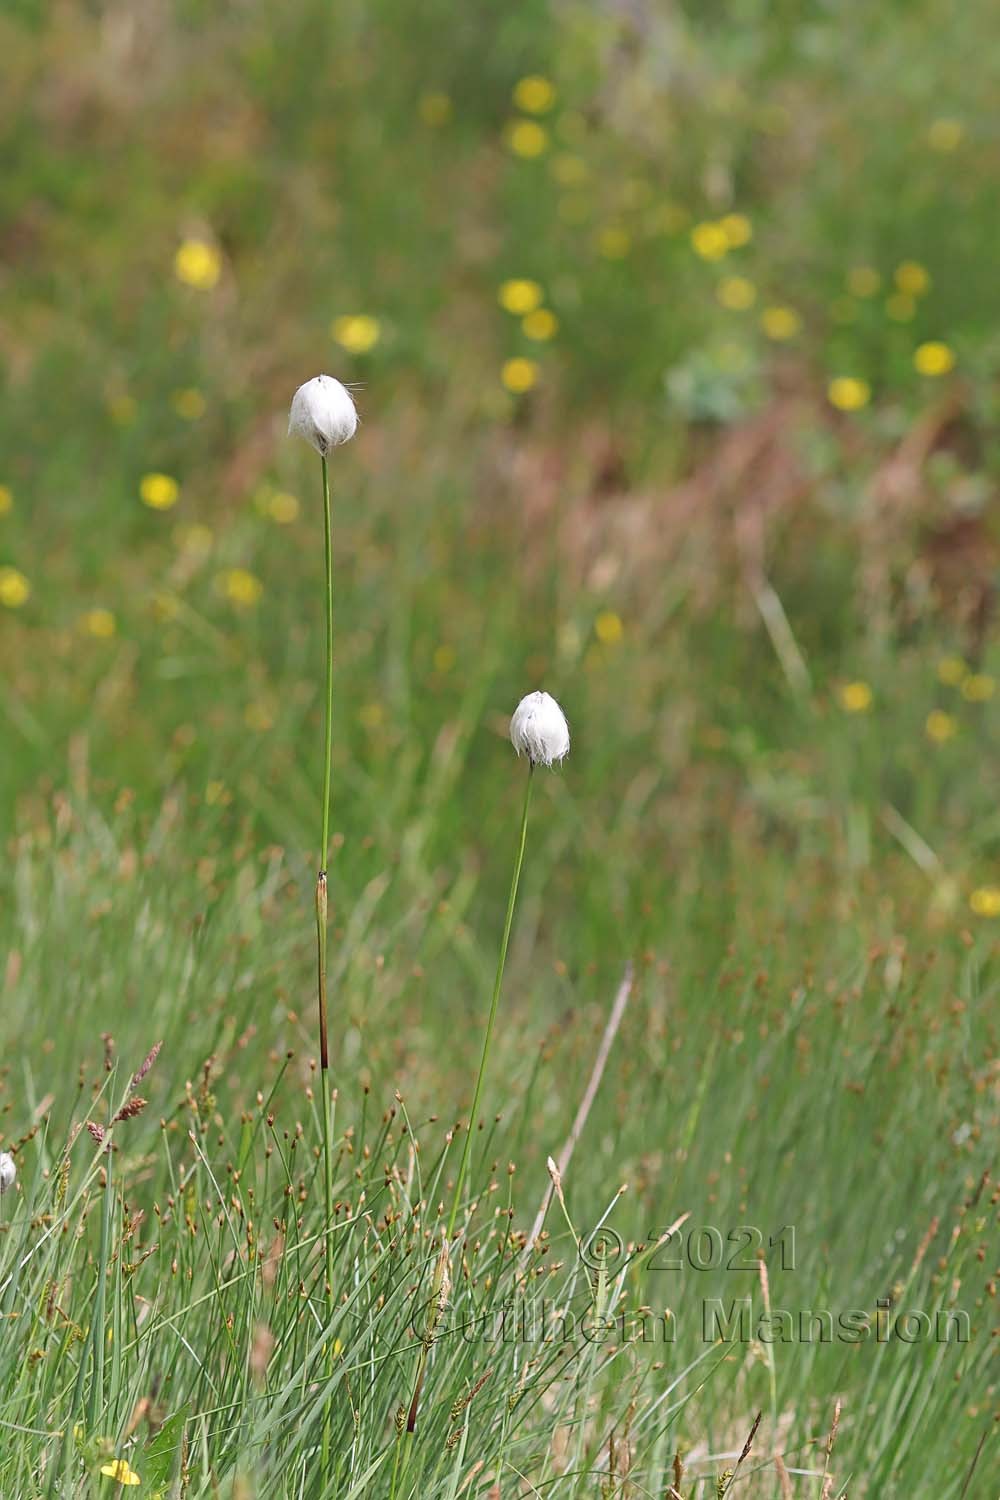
{"points": [[324, 414], [539, 731]]}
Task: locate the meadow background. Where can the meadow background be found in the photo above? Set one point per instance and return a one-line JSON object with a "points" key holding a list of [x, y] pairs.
{"points": [[673, 329]]}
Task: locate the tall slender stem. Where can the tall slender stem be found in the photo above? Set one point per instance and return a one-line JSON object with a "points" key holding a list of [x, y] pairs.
{"points": [[321, 931], [488, 1039], [321, 883]]}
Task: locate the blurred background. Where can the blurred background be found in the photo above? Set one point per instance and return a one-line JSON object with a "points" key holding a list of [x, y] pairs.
{"points": [[673, 330]]}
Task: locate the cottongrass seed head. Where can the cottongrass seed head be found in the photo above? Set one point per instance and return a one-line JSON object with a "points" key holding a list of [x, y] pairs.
{"points": [[8, 1171], [323, 412], [539, 730]]}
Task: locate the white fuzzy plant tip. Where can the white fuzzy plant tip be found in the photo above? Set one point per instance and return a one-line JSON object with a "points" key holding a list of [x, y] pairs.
{"points": [[8, 1171], [323, 412], [539, 730]]}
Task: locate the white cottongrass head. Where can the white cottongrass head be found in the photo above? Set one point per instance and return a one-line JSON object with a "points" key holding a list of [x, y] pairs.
{"points": [[8, 1171], [539, 730], [323, 412]]}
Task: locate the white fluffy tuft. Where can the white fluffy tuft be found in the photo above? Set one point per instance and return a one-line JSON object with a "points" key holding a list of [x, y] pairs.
{"points": [[539, 730], [323, 412]]}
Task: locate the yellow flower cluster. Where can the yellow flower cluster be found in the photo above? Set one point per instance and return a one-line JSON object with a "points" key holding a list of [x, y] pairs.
{"points": [[239, 586], [608, 628], [985, 901], [198, 263], [15, 589], [855, 697], [714, 238], [519, 374], [357, 332], [519, 296], [527, 139], [121, 1471], [158, 491], [533, 95], [933, 358], [189, 404], [780, 323], [100, 623], [848, 393], [941, 726]]}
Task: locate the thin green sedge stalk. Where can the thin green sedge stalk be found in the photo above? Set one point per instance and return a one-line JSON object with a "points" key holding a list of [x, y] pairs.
{"points": [[96, 1402], [405, 1437], [321, 883], [488, 1039]]}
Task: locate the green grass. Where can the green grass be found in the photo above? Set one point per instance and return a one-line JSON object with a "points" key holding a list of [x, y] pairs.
{"points": [[677, 534]]}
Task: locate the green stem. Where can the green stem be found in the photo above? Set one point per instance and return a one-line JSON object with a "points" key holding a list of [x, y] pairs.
{"points": [[321, 928], [488, 1039], [96, 1403]]}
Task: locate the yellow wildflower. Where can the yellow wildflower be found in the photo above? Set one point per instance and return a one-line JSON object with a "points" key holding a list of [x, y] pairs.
{"points": [[198, 264], [15, 589], [283, 508], [737, 229], [933, 358], [444, 658], [863, 281], [780, 323], [100, 623], [540, 325], [945, 134], [357, 333], [189, 404], [519, 374], [158, 491], [6, 500], [848, 393], [941, 726], [978, 687], [526, 138], [534, 94], [952, 670], [737, 293], [435, 108], [608, 628], [912, 278], [985, 901], [239, 586], [118, 1469], [519, 296], [855, 697], [709, 240]]}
